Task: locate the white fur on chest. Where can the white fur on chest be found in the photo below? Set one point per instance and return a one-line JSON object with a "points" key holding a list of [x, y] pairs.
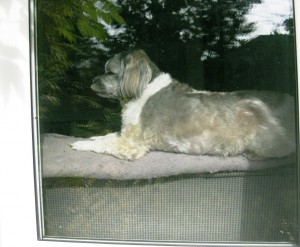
{"points": [[132, 110]]}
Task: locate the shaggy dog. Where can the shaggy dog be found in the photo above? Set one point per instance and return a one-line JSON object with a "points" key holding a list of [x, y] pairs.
{"points": [[169, 116]]}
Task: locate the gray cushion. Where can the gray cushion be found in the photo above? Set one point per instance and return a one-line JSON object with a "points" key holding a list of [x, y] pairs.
{"points": [[59, 160]]}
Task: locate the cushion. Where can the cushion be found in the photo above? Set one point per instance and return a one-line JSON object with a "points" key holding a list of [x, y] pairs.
{"points": [[60, 160]]}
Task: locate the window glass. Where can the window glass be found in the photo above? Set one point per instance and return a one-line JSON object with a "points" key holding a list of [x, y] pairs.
{"points": [[210, 45]]}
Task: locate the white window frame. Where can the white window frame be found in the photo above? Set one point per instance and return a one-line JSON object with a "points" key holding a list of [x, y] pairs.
{"points": [[18, 208]]}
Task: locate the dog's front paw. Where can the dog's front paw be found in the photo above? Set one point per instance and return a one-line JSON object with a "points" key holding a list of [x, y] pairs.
{"points": [[86, 146]]}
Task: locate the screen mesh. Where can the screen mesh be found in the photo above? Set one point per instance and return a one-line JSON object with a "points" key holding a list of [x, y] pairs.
{"points": [[255, 206]]}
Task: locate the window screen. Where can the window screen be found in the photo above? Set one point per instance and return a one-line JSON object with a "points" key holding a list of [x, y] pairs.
{"points": [[210, 45]]}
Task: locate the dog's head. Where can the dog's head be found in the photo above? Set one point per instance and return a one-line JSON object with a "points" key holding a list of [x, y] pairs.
{"points": [[126, 75]]}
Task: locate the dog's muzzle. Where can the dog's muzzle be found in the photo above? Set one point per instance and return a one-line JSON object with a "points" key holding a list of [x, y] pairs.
{"points": [[94, 87], [105, 86], [98, 87]]}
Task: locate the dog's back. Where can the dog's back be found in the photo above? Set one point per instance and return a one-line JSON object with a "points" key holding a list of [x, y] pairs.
{"points": [[181, 119]]}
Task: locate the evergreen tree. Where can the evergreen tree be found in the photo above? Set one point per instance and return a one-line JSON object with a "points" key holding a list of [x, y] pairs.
{"points": [[69, 33]]}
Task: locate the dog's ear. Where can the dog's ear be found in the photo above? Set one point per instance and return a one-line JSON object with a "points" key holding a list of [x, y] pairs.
{"points": [[137, 73]]}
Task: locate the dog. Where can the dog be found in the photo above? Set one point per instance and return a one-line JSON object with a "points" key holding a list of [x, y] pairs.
{"points": [[165, 115]]}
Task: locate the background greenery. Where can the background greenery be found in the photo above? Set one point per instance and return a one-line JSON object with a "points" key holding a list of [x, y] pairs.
{"points": [[202, 43]]}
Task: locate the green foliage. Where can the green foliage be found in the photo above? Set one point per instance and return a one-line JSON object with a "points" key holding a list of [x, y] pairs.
{"points": [[172, 31], [210, 25], [66, 33]]}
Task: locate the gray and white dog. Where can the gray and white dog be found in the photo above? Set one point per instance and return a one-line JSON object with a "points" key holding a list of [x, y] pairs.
{"points": [[169, 116]]}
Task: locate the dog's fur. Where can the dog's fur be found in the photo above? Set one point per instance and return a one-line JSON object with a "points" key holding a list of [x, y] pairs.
{"points": [[166, 115]]}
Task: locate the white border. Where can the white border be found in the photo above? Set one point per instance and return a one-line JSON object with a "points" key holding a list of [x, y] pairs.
{"points": [[18, 224]]}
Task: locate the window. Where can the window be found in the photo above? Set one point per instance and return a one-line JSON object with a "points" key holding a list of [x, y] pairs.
{"points": [[255, 196], [210, 45]]}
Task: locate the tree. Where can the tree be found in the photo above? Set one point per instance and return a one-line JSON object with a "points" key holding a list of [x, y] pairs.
{"points": [[68, 34], [170, 31], [289, 25]]}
